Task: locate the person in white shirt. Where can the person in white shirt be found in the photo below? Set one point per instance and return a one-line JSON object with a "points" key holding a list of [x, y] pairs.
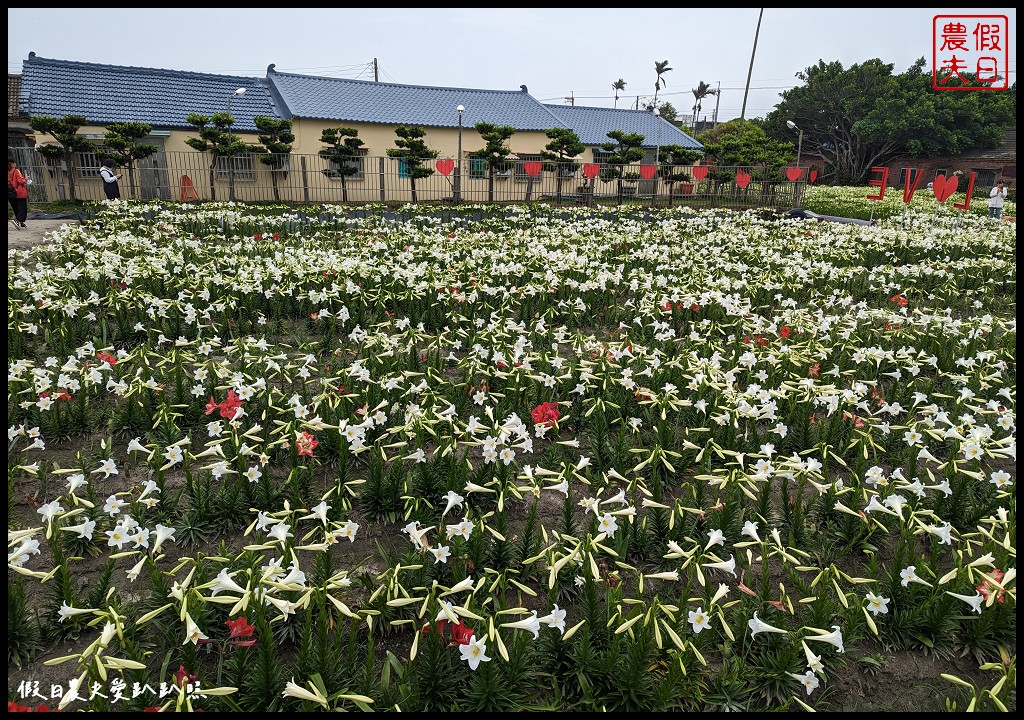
{"points": [[995, 200], [110, 178]]}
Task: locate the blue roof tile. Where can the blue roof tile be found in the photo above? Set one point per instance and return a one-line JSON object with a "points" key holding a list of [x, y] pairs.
{"points": [[342, 100], [593, 125], [107, 94]]}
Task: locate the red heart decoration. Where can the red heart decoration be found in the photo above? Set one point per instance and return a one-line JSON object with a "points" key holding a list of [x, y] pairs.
{"points": [[813, 175], [700, 172], [794, 173], [532, 168], [647, 171], [445, 167], [943, 187], [742, 179], [591, 170]]}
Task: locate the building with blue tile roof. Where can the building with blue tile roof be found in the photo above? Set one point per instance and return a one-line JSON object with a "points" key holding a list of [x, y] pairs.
{"points": [[164, 98]]}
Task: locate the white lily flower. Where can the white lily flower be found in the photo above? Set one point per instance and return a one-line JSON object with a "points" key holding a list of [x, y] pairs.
{"points": [[555, 619], [975, 601], [530, 624], [757, 625], [833, 638], [291, 689], [728, 566]]}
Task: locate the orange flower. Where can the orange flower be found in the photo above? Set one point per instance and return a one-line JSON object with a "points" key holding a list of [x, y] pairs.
{"points": [[305, 444], [986, 588]]}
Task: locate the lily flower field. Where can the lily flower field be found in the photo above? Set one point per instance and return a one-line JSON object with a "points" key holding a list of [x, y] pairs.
{"points": [[499, 459]]}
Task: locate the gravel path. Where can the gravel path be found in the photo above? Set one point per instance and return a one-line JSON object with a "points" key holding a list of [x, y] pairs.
{"points": [[35, 234]]}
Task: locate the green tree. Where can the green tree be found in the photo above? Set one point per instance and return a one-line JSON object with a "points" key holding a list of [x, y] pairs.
{"points": [[660, 68], [413, 152], [673, 158], [495, 152], [68, 142], [344, 149], [618, 86], [668, 112], [700, 92], [276, 138], [216, 138], [122, 139], [626, 149], [744, 142], [564, 148], [858, 117]]}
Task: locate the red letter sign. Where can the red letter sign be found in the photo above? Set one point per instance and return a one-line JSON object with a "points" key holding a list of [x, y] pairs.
{"points": [[910, 188], [966, 204], [879, 182]]}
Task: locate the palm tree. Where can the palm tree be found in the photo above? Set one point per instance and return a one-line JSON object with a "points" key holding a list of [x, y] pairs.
{"points": [[661, 68], [618, 86], [700, 92]]}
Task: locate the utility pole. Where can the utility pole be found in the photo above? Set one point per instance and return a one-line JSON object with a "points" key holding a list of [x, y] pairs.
{"points": [[743, 110], [718, 99], [571, 99], [376, 75]]}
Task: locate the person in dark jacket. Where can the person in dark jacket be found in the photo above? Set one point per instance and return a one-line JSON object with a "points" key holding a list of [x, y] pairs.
{"points": [[110, 178]]}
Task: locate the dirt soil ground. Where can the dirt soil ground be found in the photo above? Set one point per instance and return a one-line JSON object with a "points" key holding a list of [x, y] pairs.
{"points": [[36, 232]]}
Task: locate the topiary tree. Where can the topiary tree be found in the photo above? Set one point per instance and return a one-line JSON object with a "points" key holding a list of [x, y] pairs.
{"points": [[562, 151], [68, 142], [343, 148], [626, 149], [495, 153], [672, 158], [276, 140], [412, 151], [215, 137], [122, 139]]}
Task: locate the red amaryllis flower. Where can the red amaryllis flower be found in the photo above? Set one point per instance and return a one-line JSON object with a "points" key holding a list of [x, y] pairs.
{"points": [[457, 633], [899, 300], [461, 633], [182, 677], [241, 629], [784, 332], [15, 707], [814, 370], [987, 588], [230, 406], [305, 444], [545, 414], [107, 358], [212, 405]]}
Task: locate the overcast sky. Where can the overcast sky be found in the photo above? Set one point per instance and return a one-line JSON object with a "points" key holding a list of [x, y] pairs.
{"points": [[556, 52]]}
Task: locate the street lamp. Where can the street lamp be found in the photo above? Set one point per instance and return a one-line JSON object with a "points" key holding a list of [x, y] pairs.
{"points": [[800, 141], [458, 173], [231, 161], [657, 135], [237, 93]]}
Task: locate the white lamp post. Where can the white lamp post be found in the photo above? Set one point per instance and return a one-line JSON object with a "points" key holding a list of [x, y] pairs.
{"points": [[237, 93], [231, 161], [800, 140], [657, 153], [799, 147], [458, 172]]}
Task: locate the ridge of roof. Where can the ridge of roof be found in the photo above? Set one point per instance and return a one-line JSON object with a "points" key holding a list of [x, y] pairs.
{"points": [[32, 57], [271, 70]]}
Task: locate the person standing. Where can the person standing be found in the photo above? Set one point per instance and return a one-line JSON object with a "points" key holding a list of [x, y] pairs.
{"points": [[110, 178], [995, 200], [17, 193]]}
